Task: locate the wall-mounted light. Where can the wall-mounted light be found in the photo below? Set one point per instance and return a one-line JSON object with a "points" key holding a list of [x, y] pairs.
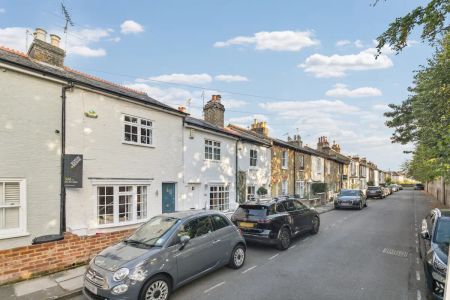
{"points": [[91, 114], [191, 133]]}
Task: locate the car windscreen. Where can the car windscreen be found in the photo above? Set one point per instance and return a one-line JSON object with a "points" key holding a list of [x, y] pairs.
{"points": [[442, 232], [152, 232], [251, 211], [349, 193]]}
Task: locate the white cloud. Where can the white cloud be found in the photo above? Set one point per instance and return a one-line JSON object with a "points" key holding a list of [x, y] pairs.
{"points": [[181, 78], [356, 43], [86, 51], [130, 26], [274, 40], [381, 107], [323, 66], [233, 103], [14, 37], [341, 91], [2, 10], [230, 78], [79, 42]]}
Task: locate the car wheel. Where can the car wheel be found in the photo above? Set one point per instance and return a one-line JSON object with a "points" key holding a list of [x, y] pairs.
{"points": [[284, 239], [157, 288], [315, 225], [237, 258], [365, 204], [336, 207]]}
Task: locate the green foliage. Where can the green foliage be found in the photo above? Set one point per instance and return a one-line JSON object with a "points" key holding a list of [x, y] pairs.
{"points": [[318, 187], [432, 19], [261, 191], [424, 118], [388, 181], [370, 183]]}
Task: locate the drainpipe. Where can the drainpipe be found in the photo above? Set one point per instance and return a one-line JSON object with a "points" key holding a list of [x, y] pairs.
{"points": [[295, 172], [62, 208], [236, 177]]}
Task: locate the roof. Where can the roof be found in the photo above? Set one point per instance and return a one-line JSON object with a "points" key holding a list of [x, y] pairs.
{"points": [[206, 125], [249, 135], [22, 60]]}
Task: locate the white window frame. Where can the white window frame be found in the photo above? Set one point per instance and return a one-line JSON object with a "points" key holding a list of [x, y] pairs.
{"points": [[284, 187], [284, 159], [300, 186], [221, 188], [139, 126], [254, 158], [22, 229], [116, 184], [249, 195], [214, 145]]}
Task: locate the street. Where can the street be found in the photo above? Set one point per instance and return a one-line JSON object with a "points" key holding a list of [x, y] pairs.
{"points": [[368, 254]]}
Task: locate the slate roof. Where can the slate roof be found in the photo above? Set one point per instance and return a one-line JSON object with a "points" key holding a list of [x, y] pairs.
{"points": [[206, 125], [22, 60]]}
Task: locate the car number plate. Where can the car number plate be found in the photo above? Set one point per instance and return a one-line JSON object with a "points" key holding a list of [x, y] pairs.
{"points": [[92, 288], [246, 225], [345, 204]]}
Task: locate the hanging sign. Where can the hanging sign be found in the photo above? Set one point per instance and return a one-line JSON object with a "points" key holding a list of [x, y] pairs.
{"points": [[73, 170]]}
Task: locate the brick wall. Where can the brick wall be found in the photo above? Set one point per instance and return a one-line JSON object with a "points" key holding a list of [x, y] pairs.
{"points": [[37, 260], [440, 189]]}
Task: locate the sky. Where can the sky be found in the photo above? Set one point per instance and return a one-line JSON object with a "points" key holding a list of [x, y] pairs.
{"points": [[305, 67]]}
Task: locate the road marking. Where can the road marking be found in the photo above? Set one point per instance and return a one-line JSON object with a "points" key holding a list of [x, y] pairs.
{"points": [[417, 241], [272, 257], [417, 249], [395, 252], [292, 247], [419, 295], [213, 287], [249, 269], [417, 260], [305, 239], [418, 275]]}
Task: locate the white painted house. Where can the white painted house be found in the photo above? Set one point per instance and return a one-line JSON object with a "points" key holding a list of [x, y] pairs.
{"points": [[130, 144]]}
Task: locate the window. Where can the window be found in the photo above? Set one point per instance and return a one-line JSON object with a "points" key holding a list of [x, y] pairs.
{"points": [[289, 205], [301, 162], [251, 192], [121, 203], [12, 206], [138, 131], [300, 188], [298, 205], [196, 227], [328, 165], [253, 158], [219, 222], [212, 150], [219, 197], [284, 159], [284, 187], [280, 208]]}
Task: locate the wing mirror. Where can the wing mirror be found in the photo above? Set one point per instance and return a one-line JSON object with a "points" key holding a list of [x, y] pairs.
{"points": [[425, 233], [184, 240]]}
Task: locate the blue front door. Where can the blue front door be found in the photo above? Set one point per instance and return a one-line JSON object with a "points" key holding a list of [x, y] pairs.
{"points": [[168, 197]]}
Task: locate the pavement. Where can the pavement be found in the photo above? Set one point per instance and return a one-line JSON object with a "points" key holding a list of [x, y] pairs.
{"points": [[367, 254]]}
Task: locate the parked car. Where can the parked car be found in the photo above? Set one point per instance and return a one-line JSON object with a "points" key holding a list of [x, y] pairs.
{"points": [[434, 241], [276, 221], [394, 188], [400, 187], [350, 199], [387, 191], [419, 187], [165, 253], [376, 192]]}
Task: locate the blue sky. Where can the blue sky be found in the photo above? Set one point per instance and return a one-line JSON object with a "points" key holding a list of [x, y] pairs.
{"points": [[303, 66]]}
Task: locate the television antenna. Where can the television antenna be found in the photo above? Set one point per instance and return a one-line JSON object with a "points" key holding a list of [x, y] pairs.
{"points": [[68, 21]]}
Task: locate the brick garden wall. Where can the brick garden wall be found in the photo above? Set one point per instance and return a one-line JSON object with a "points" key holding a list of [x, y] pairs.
{"points": [[37, 260], [440, 189]]}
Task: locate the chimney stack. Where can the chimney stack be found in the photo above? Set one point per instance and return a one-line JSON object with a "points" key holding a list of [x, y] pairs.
{"points": [[260, 127], [43, 51], [214, 111], [297, 141], [336, 147], [323, 145]]}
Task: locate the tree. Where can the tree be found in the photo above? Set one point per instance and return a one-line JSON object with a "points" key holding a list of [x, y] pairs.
{"points": [[432, 18]]}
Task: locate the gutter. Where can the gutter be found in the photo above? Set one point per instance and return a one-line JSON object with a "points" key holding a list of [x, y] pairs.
{"points": [[62, 207]]}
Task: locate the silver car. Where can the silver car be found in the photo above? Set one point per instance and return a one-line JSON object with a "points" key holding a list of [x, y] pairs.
{"points": [[165, 253]]}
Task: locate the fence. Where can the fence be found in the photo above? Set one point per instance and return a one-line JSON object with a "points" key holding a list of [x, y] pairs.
{"points": [[440, 190]]}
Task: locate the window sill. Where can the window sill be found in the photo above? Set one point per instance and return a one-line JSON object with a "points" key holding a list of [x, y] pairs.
{"points": [[212, 160], [13, 235], [284, 168], [140, 145]]}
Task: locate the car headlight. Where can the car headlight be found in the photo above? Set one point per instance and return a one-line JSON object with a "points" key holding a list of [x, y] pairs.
{"points": [[120, 274], [120, 289], [439, 265]]}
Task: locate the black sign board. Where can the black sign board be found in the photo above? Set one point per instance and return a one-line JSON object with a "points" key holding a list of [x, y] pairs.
{"points": [[73, 170]]}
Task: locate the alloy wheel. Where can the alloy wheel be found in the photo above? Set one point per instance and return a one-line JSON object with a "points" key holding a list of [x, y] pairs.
{"points": [[158, 290], [239, 257], [285, 239]]}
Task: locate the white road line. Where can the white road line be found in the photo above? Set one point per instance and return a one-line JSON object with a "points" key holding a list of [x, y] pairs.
{"points": [[417, 249], [417, 241], [305, 239], [272, 257], [292, 247], [417, 260], [249, 269], [419, 295], [213, 287], [418, 275]]}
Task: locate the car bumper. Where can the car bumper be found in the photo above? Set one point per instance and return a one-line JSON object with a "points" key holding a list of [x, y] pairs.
{"points": [[374, 195], [341, 205], [261, 238]]}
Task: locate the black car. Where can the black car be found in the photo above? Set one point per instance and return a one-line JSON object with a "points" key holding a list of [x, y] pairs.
{"points": [[375, 192], [275, 221], [434, 240], [419, 187], [350, 199]]}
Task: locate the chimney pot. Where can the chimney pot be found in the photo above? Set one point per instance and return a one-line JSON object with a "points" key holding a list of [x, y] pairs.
{"points": [[182, 108], [55, 39], [40, 34]]}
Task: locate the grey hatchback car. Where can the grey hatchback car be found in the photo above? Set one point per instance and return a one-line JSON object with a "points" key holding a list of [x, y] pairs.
{"points": [[163, 254]]}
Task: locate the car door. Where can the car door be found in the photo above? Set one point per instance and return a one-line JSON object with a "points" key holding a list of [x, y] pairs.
{"points": [[196, 256], [362, 197], [222, 238], [294, 214], [304, 215]]}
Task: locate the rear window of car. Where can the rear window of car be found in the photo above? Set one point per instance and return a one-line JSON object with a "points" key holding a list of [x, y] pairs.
{"points": [[252, 211], [349, 193], [374, 187]]}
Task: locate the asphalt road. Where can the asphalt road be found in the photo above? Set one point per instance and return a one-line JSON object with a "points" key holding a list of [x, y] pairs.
{"points": [[368, 254]]}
